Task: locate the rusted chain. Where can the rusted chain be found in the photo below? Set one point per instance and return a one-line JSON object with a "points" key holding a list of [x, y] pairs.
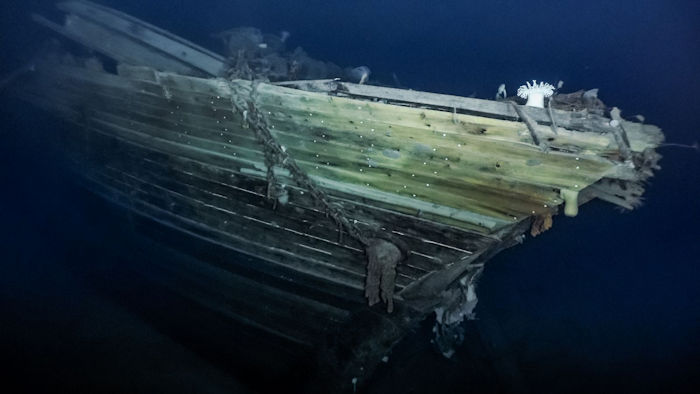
{"points": [[275, 154]]}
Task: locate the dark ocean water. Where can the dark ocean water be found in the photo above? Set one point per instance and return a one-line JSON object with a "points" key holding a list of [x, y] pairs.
{"points": [[607, 302]]}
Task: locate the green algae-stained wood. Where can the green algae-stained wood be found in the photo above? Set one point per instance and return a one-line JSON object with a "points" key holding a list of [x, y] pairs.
{"points": [[472, 170], [144, 119], [481, 171], [178, 137], [395, 149], [166, 173]]}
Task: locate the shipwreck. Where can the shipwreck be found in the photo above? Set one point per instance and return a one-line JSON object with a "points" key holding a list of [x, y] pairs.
{"points": [[369, 208]]}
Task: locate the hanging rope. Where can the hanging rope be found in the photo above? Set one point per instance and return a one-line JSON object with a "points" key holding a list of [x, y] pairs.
{"points": [[382, 258]]}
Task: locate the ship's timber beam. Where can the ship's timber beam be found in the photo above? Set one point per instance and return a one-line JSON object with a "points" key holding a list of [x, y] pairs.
{"points": [[131, 41], [426, 293], [643, 135]]}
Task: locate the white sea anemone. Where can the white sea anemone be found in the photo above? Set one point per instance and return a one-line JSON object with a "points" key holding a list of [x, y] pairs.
{"points": [[535, 93]]}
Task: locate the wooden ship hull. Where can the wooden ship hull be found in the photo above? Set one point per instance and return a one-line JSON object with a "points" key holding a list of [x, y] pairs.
{"points": [[310, 176]]}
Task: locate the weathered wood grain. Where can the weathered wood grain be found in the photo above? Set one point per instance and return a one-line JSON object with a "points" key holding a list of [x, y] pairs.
{"points": [[132, 41], [481, 171], [164, 171]]}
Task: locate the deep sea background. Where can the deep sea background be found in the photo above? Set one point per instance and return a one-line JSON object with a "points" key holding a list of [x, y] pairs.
{"points": [[606, 302]]}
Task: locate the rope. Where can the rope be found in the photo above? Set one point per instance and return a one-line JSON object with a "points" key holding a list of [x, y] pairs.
{"points": [[382, 258]]}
